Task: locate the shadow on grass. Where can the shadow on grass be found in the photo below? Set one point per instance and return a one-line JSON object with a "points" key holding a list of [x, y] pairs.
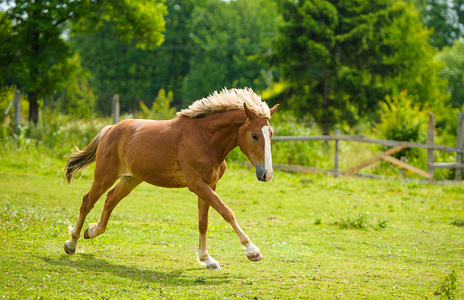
{"points": [[89, 263]]}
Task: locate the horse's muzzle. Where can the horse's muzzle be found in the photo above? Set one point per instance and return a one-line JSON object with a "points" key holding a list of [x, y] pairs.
{"points": [[263, 174]]}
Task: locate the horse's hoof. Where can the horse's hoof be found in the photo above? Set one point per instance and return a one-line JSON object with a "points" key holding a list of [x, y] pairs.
{"points": [[213, 266], [86, 234], [255, 257], [68, 251]]}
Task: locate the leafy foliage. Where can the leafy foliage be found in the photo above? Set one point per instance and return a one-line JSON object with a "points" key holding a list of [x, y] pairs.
{"points": [[458, 222], [41, 54], [453, 57], [448, 287], [339, 58], [402, 120], [77, 97], [116, 67], [142, 23], [161, 108], [360, 221], [446, 18], [228, 37], [209, 44]]}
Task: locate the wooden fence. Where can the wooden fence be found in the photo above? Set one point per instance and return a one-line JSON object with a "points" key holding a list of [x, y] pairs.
{"points": [[16, 104], [397, 146]]}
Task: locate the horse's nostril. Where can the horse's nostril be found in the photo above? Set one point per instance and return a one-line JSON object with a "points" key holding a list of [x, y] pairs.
{"points": [[264, 177]]}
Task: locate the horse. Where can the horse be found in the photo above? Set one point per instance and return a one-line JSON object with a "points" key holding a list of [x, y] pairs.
{"points": [[187, 151]]}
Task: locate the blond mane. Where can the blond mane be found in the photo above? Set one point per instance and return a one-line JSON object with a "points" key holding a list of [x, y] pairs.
{"points": [[226, 100]]}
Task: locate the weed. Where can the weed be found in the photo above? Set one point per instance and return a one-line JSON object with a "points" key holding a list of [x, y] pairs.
{"points": [[458, 222], [382, 223], [358, 221], [448, 287], [200, 280]]}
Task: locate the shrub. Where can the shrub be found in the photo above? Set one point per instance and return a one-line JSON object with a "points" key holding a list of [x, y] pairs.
{"points": [[161, 108], [402, 120]]}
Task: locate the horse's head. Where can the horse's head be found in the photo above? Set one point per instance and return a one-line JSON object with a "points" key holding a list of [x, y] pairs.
{"points": [[255, 142]]}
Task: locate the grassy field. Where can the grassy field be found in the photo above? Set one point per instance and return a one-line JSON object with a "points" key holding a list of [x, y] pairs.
{"points": [[321, 238]]}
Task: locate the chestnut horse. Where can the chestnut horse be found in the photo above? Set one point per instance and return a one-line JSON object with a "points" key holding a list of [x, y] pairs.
{"points": [[187, 151]]}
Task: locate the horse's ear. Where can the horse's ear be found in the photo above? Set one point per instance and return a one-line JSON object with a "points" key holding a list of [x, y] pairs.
{"points": [[274, 109], [250, 115]]}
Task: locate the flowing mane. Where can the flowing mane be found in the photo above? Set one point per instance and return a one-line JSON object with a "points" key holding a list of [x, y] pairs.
{"points": [[226, 100]]}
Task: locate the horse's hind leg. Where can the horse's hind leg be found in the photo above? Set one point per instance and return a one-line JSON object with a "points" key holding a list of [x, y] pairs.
{"points": [[203, 255], [88, 202], [121, 190]]}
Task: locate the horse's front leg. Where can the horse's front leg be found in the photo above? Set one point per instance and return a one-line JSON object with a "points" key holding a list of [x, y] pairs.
{"points": [[205, 192], [203, 255]]}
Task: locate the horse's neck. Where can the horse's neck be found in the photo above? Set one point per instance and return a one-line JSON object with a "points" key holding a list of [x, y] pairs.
{"points": [[222, 129]]}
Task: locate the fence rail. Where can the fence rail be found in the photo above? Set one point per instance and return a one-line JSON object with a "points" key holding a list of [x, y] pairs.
{"points": [[362, 139], [430, 146]]}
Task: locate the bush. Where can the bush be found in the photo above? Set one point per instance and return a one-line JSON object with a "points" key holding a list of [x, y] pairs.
{"points": [[161, 108], [402, 120]]}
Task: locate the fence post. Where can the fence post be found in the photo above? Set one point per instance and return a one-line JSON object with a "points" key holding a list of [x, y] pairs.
{"points": [[116, 109], [459, 144], [337, 166], [431, 142], [17, 110]]}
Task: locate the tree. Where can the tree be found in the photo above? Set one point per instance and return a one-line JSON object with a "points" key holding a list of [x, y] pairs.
{"points": [[76, 97], [209, 44], [453, 57], [115, 67], [416, 68], [6, 56], [40, 51], [340, 58], [133, 73], [446, 18], [172, 59], [228, 37]]}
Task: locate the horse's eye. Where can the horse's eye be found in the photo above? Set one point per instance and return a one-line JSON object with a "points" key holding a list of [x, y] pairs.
{"points": [[255, 136]]}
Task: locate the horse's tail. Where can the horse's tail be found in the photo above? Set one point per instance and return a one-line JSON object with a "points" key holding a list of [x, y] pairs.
{"points": [[82, 158]]}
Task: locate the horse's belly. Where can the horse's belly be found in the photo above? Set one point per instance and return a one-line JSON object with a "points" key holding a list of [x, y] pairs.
{"points": [[173, 182], [162, 176]]}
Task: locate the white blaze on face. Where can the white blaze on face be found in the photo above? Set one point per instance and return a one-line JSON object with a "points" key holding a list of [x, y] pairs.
{"points": [[267, 149]]}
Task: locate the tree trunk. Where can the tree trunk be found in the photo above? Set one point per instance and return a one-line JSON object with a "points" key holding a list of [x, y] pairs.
{"points": [[33, 98]]}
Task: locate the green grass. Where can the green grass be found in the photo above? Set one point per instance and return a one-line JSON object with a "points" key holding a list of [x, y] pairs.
{"points": [[321, 238]]}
